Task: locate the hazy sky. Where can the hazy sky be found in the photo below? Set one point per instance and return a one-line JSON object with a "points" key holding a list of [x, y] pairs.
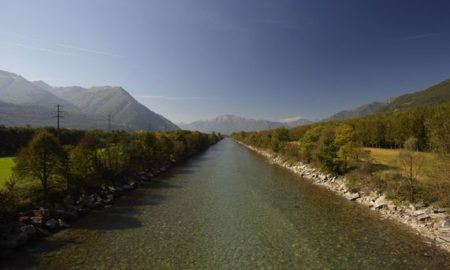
{"points": [[192, 60]]}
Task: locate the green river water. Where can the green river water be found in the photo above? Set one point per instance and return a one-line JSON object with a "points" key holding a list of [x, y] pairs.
{"points": [[228, 208]]}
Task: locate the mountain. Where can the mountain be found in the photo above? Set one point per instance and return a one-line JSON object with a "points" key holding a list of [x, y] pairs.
{"points": [[25, 102], [434, 95], [38, 116], [360, 111], [124, 109], [295, 121], [227, 124], [15, 89]]}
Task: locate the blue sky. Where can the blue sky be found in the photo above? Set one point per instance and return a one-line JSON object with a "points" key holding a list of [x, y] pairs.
{"points": [[192, 60]]}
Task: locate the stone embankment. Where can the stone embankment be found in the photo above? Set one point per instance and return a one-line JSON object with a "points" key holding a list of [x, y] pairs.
{"points": [[432, 223], [43, 220]]}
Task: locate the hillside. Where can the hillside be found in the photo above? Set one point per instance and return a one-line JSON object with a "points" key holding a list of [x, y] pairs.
{"points": [[32, 103], [15, 89], [436, 94], [37, 116], [123, 108], [360, 111]]}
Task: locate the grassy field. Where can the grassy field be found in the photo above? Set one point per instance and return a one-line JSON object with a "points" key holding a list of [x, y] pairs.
{"points": [[6, 164], [389, 158]]}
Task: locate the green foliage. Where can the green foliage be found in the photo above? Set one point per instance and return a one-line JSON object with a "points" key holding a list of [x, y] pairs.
{"points": [[41, 160]]}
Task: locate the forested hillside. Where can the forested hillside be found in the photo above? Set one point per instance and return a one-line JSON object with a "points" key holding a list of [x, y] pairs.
{"points": [[435, 95]]}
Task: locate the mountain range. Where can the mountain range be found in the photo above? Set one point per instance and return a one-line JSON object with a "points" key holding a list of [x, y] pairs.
{"points": [[227, 124], [24, 102]]}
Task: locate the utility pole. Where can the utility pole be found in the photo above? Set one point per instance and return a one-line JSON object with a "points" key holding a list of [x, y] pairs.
{"points": [[109, 121], [58, 117]]}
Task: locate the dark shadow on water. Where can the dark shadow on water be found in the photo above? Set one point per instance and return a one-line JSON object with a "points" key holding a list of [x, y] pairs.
{"points": [[111, 221], [28, 257]]}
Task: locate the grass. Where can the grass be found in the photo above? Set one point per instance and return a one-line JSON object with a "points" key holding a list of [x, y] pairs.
{"points": [[6, 164], [390, 162]]}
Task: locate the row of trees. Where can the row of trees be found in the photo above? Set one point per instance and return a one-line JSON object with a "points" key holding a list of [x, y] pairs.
{"points": [[97, 158], [429, 125], [337, 147]]}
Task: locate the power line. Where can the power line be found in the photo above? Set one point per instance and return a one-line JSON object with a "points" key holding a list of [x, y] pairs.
{"points": [[58, 117], [109, 121]]}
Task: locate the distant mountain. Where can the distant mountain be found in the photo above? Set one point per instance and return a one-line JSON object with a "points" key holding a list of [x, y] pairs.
{"points": [[227, 124], [17, 90], [123, 108], [436, 94], [360, 111], [24, 102], [295, 121]]}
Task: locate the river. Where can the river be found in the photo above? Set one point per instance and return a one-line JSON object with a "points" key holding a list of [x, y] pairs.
{"points": [[228, 208]]}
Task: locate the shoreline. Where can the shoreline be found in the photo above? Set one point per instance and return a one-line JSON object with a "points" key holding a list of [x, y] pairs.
{"points": [[428, 222]]}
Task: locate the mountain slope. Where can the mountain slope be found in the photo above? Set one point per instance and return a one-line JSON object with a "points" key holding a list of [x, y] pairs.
{"points": [[360, 111], [37, 116], [227, 124], [436, 94], [123, 108], [83, 108], [17, 90]]}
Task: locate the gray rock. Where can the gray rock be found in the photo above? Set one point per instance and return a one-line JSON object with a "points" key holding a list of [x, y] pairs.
{"points": [[52, 224], [108, 199], [446, 223], [380, 202], [36, 221], [63, 224], [423, 217], [419, 212], [353, 196], [29, 230]]}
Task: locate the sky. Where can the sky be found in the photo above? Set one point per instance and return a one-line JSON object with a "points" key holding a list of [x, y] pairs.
{"points": [[197, 59]]}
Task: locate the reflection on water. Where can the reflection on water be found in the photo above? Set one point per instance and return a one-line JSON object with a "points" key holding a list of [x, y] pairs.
{"points": [[229, 209]]}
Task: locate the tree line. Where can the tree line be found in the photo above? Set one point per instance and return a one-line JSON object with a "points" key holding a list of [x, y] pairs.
{"points": [[48, 169]]}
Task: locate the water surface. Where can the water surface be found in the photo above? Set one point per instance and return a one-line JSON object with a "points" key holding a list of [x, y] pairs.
{"points": [[228, 208]]}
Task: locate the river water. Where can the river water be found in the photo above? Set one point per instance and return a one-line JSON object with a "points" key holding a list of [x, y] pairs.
{"points": [[228, 208]]}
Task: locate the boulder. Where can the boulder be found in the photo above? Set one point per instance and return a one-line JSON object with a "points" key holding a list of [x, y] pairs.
{"points": [[29, 230], [36, 221], [423, 217], [353, 196], [63, 224], [380, 202], [108, 199], [419, 212], [446, 223], [52, 224]]}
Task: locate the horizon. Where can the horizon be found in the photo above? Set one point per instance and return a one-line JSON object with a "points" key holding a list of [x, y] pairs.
{"points": [[267, 60]]}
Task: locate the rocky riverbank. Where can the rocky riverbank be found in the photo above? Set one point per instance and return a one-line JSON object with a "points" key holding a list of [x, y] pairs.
{"points": [[427, 221], [44, 220]]}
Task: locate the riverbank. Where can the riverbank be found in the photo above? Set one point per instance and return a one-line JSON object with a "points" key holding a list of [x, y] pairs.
{"points": [[431, 223], [44, 220]]}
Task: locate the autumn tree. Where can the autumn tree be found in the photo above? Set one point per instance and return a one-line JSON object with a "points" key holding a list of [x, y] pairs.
{"points": [[42, 160]]}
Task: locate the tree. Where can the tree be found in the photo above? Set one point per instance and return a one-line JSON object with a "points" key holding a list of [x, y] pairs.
{"points": [[411, 162], [43, 160]]}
